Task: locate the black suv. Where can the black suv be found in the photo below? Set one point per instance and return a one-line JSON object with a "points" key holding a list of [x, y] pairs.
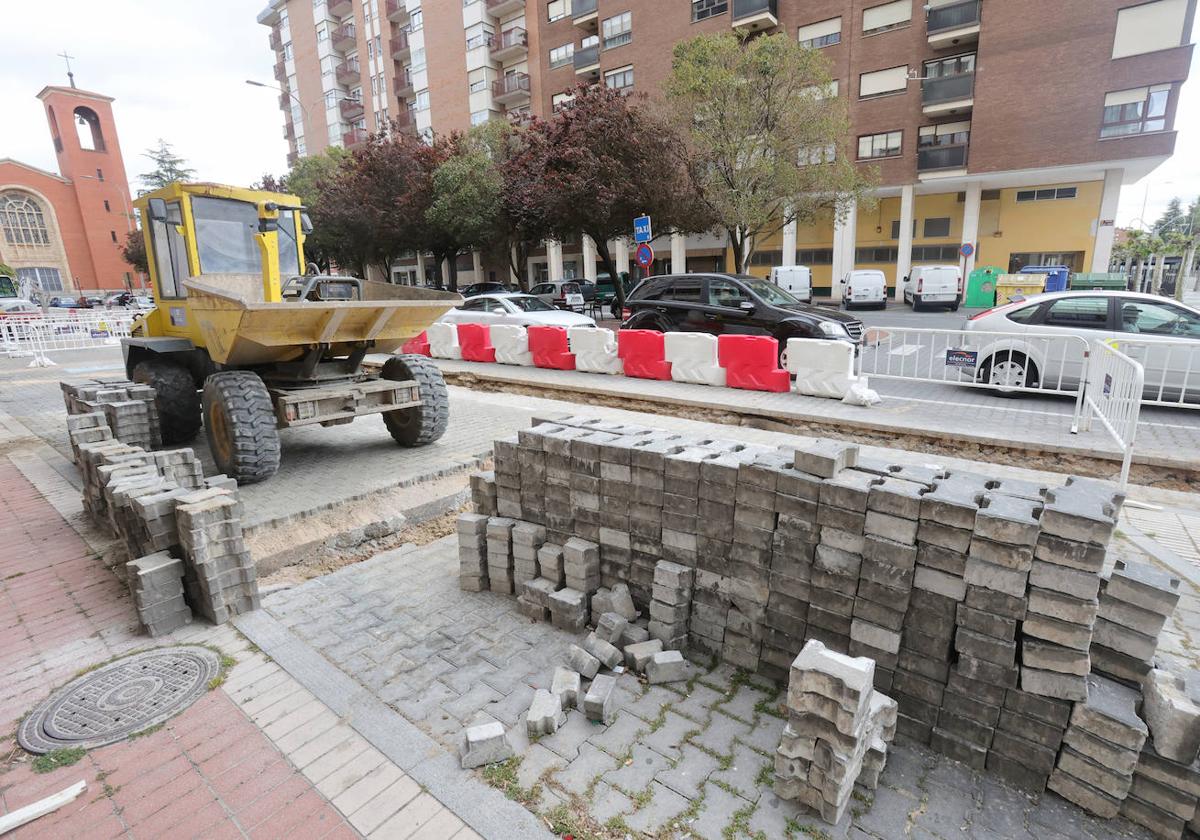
{"points": [[723, 304]]}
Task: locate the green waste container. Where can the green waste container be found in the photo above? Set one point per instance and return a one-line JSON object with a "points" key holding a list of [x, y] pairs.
{"points": [[1098, 280], [981, 287]]}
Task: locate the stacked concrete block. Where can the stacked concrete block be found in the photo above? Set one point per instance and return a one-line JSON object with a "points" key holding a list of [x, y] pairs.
{"points": [[1101, 748], [1027, 739], [1135, 603], [1171, 709], [508, 477], [499, 555], [157, 584], [130, 410], [616, 503], [581, 565], [557, 448], [568, 609], [180, 466], [527, 541], [484, 493], [472, 552], [1164, 795], [835, 720], [531, 458], [220, 578], [154, 524], [670, 607], [87, 428], [841, 514], [583, 490], [647, 463]]}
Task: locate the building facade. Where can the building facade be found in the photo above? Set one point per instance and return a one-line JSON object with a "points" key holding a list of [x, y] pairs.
{"points": [[1008, 126], [64, 232]]}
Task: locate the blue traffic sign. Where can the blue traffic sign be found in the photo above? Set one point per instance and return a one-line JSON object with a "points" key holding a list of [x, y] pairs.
{"points": [[967, 249], [641, 229], [645, 256]]}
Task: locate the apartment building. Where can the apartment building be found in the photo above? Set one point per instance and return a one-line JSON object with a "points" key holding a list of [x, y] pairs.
{"points": [[1005, 125]]}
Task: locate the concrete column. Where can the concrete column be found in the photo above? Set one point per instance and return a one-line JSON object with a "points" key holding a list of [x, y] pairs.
{"points": [[554, 255], [789, 242], [477, 265], [971, 225], [589, 259], [420, 269], [678, 253], [845, 238], [904, 251], [620, 251], [1106, 228]]}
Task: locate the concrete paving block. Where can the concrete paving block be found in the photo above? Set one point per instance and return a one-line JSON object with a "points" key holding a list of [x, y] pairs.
{"points": [[1008, 519], [1110, 712], [583, 662], [875, 636], [954, 500], [1076, 555], [638, 654], [1084, 795], [1047, 656], [997, 578], [1061, 606], [599, 702], [1123, 640], [486, 743], [1144, 586], [825, 458], [1171, 716], [1017, 557], [949, 586], [610, 627], [546, 714], [605, 652], [1053, 684], [667, 666], [1083, 510], [565, 685], [1075, 582], [1127, 615], [848, 680]]}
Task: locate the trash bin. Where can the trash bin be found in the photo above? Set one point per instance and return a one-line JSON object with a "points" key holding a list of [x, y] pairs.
{"points": [[1099, 281], [981, 287], [1056, 276], [1009, 286]]}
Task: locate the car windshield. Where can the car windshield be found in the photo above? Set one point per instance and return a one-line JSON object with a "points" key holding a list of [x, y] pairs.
{"points": [[768, 292], [527, 303], [225, 236]]}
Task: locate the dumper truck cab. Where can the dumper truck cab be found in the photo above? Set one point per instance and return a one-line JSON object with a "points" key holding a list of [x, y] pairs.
{"points": [[244, 340]]}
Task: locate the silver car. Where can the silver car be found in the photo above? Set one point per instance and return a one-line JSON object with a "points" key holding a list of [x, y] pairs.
{"points": [[1161, 334], [517, 309]]}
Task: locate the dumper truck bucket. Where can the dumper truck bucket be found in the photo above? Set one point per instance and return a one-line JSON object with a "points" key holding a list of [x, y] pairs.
{"points": [[240, 329]]}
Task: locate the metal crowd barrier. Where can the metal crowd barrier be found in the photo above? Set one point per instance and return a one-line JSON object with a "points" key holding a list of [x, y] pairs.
{"points": [[1114, 397], [39, 335]]}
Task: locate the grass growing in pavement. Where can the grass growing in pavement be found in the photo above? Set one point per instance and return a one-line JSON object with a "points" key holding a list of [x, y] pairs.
{"points": [[55, 759], [503, 777]]}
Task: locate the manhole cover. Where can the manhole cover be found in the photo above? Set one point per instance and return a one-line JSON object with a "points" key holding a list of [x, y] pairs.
{"points": [[119, 699]]}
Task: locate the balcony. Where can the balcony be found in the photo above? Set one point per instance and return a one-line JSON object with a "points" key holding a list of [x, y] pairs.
{"points": [[953, 25], [397, 11], [275, 40], [354, 137], [585, 14], [510, 44], [340, 8], [587, 61], [285, 101], [755, 15], [348, 73], [289, 132], [948, 94], [269, 16], [280, 72], [351, 109], [512, 88], [401, 49], [404, 83], [345, 38], [292, 158], [405, 121], [500, 8], [938, 158]]}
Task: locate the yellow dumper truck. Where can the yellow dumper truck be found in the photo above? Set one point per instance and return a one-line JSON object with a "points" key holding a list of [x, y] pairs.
{"points": [[244, 339]]}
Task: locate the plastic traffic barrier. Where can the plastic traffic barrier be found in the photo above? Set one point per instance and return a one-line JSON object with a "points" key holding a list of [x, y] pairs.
{"points": [[693, 358], [751, 363], [644, 354], [475, 343], [443, 341], [550, 348], [595, 350], [822, 368], [511, 344], [418, 346]]}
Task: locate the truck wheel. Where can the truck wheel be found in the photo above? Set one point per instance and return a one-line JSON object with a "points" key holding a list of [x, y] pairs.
{"points": [[176, 396], [424, 423], [239, 419]]}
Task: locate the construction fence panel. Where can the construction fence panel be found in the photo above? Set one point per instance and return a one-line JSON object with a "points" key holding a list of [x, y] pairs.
{"points": [[1114, 397]]}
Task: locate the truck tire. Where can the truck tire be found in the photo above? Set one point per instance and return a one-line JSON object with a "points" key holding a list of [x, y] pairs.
{"points": [[176, 396], [425, 423], [239, 419]]}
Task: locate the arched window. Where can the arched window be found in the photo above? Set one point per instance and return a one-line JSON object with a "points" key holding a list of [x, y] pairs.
{"points": [[22, 219], [87, 126]]}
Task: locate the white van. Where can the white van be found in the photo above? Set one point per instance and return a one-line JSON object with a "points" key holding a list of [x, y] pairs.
{"points": [[796, 279], [866, 287], [941, 285]]}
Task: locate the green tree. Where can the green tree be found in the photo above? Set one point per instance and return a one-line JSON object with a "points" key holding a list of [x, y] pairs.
{"points": [[168, 167], [766, 141], [466, 204], [133, 251], [303, 181], [1172, 219]]}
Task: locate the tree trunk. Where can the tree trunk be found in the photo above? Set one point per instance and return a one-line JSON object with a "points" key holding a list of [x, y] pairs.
{"points": [[1159, 263], [610, 265], [1137, 276], [1185, 271], [452, 271], [737, 244]]}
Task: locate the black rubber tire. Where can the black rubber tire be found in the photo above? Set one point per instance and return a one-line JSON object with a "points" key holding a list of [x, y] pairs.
{"points": [[1032, 376], [916, 303], [239, 420], [176, 396], [423, 424]]}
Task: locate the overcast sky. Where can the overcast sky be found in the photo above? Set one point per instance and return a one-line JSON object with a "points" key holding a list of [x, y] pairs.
{"points": [[178, 71]]}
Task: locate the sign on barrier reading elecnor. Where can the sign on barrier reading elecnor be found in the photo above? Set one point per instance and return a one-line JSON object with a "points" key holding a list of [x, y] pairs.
{"points": [[645, 256], [962, 358], [641, 229]]}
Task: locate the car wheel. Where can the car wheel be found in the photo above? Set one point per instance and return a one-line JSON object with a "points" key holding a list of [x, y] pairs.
{"points": [[916, 303], [1009, 373]]}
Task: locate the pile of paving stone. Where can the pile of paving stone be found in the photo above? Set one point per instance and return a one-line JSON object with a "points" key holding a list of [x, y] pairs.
{"points": [[129, 409], [983, 602]]}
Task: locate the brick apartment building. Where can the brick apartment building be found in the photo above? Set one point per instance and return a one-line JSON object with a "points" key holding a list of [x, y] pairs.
{"points": [[1010, 125]]}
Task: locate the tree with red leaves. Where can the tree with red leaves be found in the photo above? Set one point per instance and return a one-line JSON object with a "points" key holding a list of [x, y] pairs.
{"points": [[603, 159]]}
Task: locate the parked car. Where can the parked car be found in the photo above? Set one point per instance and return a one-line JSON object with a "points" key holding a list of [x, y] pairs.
{"points": [[1158, 332], [794, 279], [561, 294], [725, 304], [864, 287], [483, 289], [606, 291], [88, 302], [64, 303], [513, 308], [933, 284], [18, 307]]}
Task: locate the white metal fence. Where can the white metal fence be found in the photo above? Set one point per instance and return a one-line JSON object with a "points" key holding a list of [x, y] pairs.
{"points": [[39, 335], [1171, 369], [1011, 362], [1114, 397]]}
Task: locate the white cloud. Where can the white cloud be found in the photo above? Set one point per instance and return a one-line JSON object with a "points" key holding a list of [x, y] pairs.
{"points": [[176, 70]]}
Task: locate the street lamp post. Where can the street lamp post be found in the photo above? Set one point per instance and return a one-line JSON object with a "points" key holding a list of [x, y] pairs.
{"points": [[294, 98]]}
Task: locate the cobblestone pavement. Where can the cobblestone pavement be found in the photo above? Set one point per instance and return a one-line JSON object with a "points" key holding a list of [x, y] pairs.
{"points": [[683, 760]]}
